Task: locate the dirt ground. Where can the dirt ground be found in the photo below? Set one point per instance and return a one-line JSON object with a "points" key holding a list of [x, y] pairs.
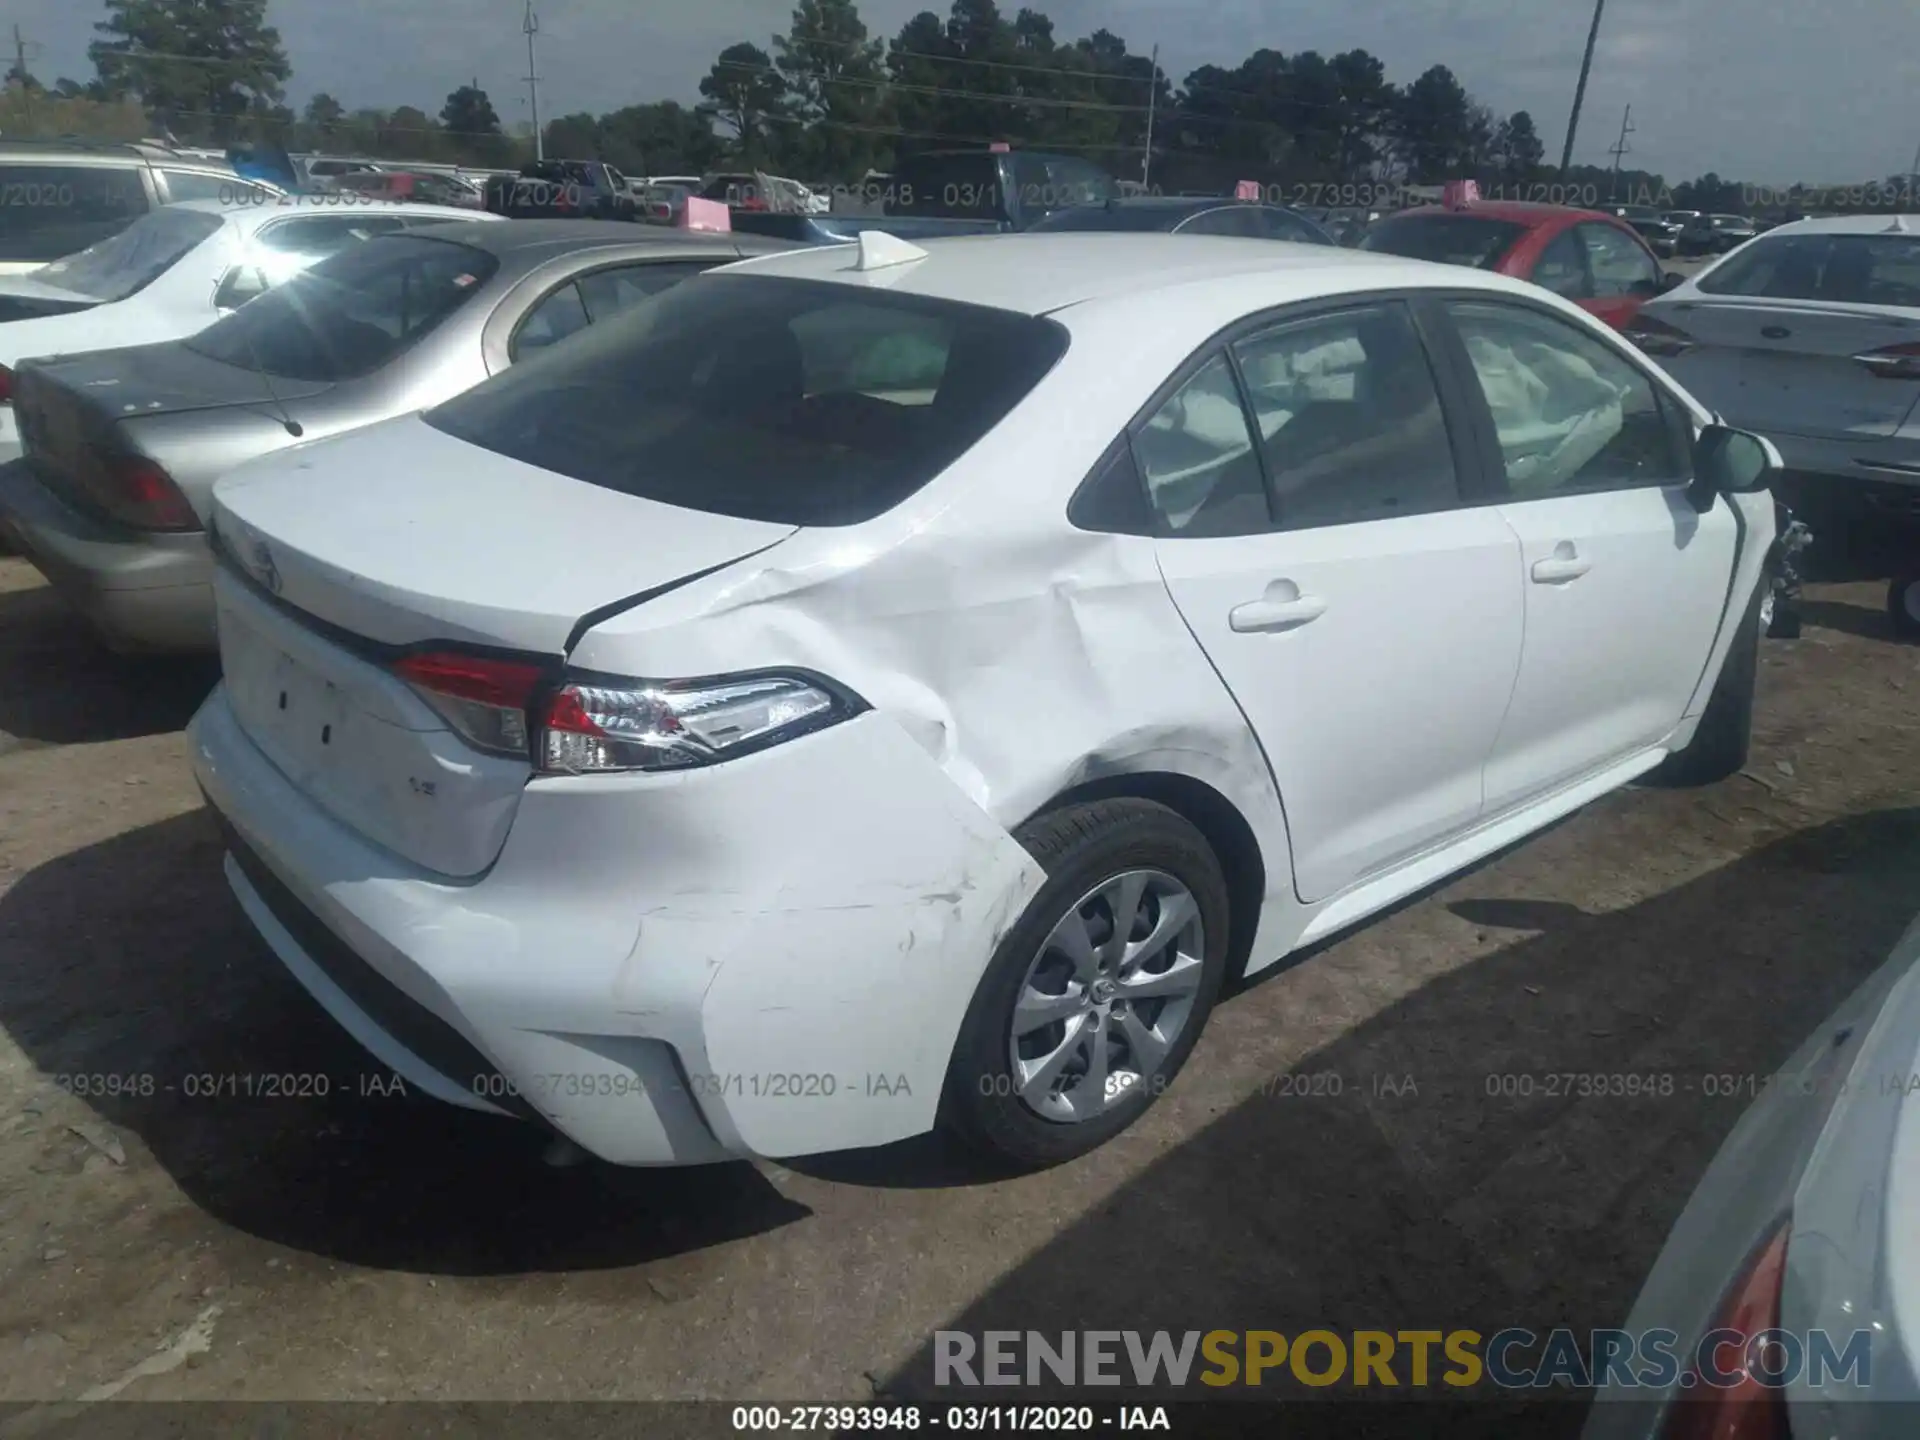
{"points": [[361, 1246]]}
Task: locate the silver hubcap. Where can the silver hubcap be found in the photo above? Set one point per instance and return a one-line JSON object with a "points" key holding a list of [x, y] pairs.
{"points": [[1107, 996], [1766, 608]]}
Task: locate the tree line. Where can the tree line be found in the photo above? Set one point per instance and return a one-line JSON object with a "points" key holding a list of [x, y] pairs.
{"points": [[828, 102]]}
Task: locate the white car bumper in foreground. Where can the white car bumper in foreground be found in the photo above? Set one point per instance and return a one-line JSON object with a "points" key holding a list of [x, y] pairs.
{"points": [[769, 957]]}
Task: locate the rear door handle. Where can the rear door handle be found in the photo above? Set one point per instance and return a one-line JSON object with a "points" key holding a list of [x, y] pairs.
{"points": [[1563, 565], [1276, 614]]}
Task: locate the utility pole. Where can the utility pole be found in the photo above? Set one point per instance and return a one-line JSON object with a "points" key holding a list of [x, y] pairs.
{"points": [[531, 26], [1580, 90], [1620, 147], [1153, 94], [20, 69]]}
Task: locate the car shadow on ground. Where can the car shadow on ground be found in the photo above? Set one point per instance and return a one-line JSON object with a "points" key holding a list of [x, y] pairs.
{"points": [[60, 686], [1859, 620], [130, 958], [1431, 1192]]}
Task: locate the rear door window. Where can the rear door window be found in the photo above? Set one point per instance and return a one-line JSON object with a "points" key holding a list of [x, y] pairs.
{"points": [[559, 315], [51, 210], [1349, 416], [768, 398]]}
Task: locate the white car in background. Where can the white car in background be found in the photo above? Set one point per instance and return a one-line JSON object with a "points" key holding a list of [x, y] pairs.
{"points": [[1806, 1222], [873, 684], [1810, 334], [175, 271]]}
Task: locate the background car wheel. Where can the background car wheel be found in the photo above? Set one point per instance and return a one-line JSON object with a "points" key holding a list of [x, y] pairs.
{"points": [[1719, 747], [1094, 1000], [1903, 606]]}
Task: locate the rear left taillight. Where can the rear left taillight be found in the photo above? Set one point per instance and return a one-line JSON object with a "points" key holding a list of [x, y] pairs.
{"points": [[1894, 362], [486, 701], [138, 492], [595, 724], [1749, 1408], [1656, 337]]}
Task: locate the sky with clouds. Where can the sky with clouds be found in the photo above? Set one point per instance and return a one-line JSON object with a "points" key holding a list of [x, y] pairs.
{"points": [[1760, 90]]}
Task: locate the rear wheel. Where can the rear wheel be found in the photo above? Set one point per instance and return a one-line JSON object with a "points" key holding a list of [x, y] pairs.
{"points": [[1719, 746], [1903, 606], [1095, 998]]}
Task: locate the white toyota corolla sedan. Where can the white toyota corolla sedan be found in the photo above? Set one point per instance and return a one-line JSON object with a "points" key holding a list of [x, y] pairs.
{"points": [[873, 686]]}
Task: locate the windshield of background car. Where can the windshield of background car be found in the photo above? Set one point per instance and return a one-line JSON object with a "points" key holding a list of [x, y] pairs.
{"points": [[963, 186], [132, 260], [1473, 240], [1730, 222], [51, 210], [1847, 269], [766, 398], [352, 312]]}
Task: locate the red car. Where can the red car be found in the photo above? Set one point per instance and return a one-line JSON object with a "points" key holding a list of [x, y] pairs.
{"points": [[1597, 261]]}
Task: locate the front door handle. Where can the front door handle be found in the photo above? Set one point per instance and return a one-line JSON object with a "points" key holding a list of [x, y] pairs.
{"points": [[1563, 565], [1283, 607]]}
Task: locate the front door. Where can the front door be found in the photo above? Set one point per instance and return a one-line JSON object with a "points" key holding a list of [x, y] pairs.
{"points": [[1624, 581], [1308, 495]]}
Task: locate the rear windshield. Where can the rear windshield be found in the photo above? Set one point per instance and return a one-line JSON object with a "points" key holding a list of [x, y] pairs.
{"points": [[1847, 269], [794, 401], [133, 259], [47, 211], [1472, 240], [352, 312]]}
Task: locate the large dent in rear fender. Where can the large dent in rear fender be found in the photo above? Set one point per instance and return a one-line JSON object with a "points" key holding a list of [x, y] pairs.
{"points": [[832, 958], [1021, 663]]}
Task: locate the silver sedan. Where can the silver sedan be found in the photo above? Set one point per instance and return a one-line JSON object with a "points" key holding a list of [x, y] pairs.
{"points": [[122, 447]]}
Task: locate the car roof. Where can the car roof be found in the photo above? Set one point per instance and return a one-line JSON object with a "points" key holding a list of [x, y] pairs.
{"points": [[1040, 273], [253, 214], [1850, 225]]}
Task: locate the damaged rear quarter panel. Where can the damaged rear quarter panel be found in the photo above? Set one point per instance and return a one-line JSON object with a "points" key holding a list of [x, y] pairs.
{"points": [[1022, 655]]}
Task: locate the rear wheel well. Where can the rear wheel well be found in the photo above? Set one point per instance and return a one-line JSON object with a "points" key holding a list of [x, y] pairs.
{"points": [[1215, 817]]}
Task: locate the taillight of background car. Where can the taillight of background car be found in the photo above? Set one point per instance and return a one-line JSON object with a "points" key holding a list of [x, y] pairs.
{"points": [[136, 491], [1656, 337], [1894, 362], [1750, 1408]]}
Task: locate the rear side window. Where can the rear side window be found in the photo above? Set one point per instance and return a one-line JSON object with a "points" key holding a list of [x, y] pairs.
{"points": [[1350, 421], [47, 211], [351, 313], [1450, 239], [1847, 269], [1562, 268], [793, 401]]}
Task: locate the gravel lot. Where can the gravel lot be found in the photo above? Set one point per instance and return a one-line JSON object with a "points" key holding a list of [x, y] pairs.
{"points": [[361, 1246]]}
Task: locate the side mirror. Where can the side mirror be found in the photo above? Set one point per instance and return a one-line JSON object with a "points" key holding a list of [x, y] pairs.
{"points": [[1731, 462], [1671, 280]]}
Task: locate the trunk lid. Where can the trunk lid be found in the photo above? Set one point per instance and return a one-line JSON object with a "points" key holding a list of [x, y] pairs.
{"points": [[69, 409], [338, 557], [402, 534], [1787, 366]]}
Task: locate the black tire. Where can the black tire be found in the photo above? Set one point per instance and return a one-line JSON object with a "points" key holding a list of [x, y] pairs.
{"points": [[1786, 620], [1903, 606], [1720, 746], [1078, 846]]}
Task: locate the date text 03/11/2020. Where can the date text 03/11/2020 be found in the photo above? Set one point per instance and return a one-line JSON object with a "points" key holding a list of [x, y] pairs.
{"points": [[964, 1419], [791, 1085]]}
